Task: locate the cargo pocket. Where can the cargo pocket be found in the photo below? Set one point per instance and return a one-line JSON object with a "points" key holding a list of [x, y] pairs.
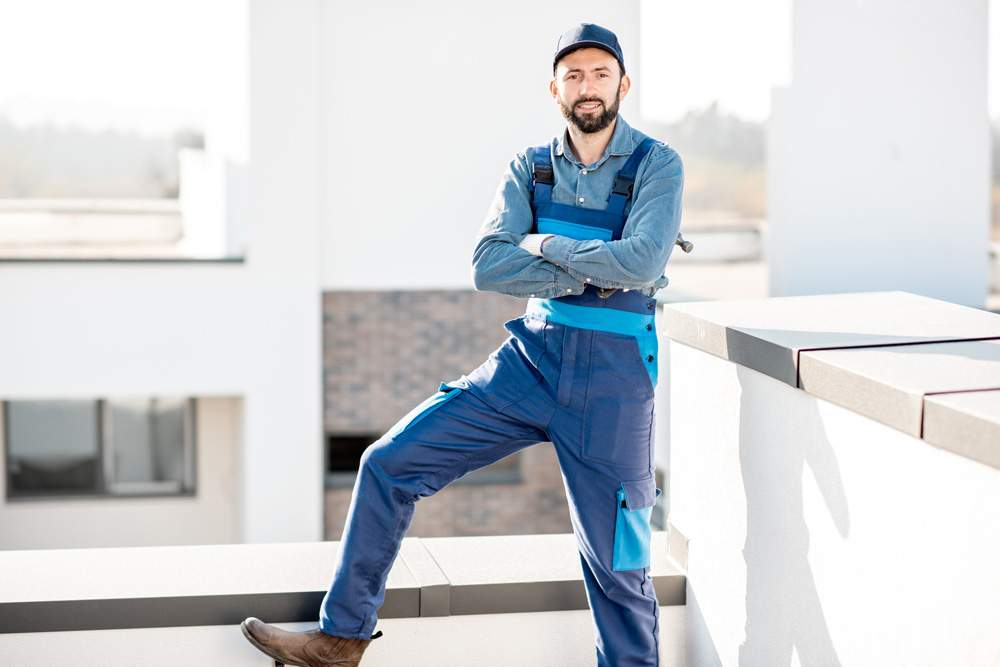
{"points": [[632, 529], [445, 392]]}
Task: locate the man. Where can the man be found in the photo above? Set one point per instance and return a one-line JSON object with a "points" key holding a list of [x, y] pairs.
{"points": [[582, 227]]}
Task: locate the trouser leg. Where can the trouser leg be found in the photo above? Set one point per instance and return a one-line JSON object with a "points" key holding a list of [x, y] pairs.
{"points": [[614, 555], [429, 448], [603, 437]]}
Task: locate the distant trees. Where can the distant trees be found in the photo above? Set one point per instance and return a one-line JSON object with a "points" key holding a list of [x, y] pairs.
{"points": [[47, 161], [723, 161]]}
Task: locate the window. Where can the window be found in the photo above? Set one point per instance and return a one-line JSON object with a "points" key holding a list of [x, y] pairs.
{"points": [[105, 447], [343, 456]]}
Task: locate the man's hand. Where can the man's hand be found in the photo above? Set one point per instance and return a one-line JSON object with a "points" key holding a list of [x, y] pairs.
{"points": [[533, 243]]}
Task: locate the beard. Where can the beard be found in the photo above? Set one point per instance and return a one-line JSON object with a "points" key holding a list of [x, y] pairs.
{"points": [[592, 122]]}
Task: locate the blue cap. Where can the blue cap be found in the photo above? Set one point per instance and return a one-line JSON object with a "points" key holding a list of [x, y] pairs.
{"points": [[588, 34]]}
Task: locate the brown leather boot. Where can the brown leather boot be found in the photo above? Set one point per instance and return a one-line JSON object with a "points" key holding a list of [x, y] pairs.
{"points": [[312, 648]]}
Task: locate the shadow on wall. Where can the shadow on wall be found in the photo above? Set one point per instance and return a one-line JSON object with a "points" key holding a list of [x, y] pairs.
{"points": [[701, 648], [783, 608]]}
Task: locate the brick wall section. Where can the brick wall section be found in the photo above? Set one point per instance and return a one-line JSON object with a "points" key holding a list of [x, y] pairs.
{"points": [[384, 352]]}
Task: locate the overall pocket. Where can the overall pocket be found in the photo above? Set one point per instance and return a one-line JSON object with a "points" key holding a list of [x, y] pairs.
{"points": [[618, 413], [635, 502], [446, 391]]}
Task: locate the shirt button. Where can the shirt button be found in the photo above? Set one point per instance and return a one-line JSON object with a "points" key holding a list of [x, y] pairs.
{"points": [[532, 296], [580, 200], [626, 289], [583, 171], [586, 280], [569, 289]]}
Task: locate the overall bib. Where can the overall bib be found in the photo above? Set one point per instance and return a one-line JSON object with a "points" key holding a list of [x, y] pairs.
{"points": [[579, 371]]}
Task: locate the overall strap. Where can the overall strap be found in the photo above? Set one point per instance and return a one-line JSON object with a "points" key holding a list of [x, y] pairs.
{"points": [[543, 178], [621, 189]]}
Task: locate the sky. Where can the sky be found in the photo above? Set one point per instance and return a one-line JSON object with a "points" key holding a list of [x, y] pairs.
{"points": [[70, 62], [730, 51]]}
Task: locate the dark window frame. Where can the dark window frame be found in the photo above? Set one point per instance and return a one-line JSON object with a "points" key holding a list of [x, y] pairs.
{"points": [[102, 407], [491, 474]]}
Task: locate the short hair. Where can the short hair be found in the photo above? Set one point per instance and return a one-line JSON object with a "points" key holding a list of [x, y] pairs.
{"points": [[621, 68]]}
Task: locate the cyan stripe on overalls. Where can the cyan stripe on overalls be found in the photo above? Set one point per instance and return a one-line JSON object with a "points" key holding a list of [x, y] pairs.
{"points": [[572, 230], [603, 319], [446, 391], [597, 218]]}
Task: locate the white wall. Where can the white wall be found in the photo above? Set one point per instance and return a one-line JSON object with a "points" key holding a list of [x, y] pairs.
{"points": [[425, 105], [816, 531], [878, 157], [247, 330], [211, 516], [556, 639]]}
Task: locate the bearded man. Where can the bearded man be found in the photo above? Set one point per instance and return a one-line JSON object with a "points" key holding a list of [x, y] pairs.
{"points": [[582, 227]]}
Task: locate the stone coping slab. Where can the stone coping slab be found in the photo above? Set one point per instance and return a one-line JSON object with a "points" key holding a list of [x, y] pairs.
{"points": [[924, 366], [889, 384], [133, 587], [509, 573], [768, 334], [966, 423]]}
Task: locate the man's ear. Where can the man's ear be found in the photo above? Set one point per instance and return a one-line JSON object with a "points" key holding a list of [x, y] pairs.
{"points": [[624, 86], [553, 89]]}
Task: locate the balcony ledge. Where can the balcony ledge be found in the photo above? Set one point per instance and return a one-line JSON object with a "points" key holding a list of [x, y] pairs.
{"points": [[147, 587], [927, 367]]}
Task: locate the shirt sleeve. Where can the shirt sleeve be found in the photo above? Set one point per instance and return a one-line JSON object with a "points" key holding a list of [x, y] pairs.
{"points": [[639, 258], [498, 264]]}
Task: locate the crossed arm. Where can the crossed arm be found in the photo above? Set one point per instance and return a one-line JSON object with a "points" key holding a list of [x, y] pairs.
{"points": [[507, 259]]}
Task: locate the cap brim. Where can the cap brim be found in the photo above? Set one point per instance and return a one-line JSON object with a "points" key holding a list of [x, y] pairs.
{"points": [[583, 45]]}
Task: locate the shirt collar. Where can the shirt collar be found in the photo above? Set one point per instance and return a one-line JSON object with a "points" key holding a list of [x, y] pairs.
{"points": [[621, 143]]}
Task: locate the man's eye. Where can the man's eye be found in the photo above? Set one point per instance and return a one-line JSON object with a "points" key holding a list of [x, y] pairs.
{"points": [[604, 75]]}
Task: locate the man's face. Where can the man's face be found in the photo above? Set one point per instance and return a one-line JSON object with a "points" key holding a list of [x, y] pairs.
{"points": [[588, 87]]}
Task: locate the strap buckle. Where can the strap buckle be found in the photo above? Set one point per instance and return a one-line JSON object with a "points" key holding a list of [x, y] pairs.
{"points": [[622, 186], [605, 292], [544, 174]]}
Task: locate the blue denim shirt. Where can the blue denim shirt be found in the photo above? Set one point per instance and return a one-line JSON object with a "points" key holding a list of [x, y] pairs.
{"points": [[566, 266]]}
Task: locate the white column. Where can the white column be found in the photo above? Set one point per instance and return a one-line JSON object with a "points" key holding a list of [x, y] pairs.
{"points": [[282, 489]]}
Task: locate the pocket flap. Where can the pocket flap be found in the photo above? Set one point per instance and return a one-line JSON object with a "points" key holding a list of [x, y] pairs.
{"points": [[509, 324], [458, 383], [640, 493]]}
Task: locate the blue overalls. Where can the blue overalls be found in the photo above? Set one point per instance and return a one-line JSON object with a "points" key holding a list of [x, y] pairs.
{"points": [[578, 371]]}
